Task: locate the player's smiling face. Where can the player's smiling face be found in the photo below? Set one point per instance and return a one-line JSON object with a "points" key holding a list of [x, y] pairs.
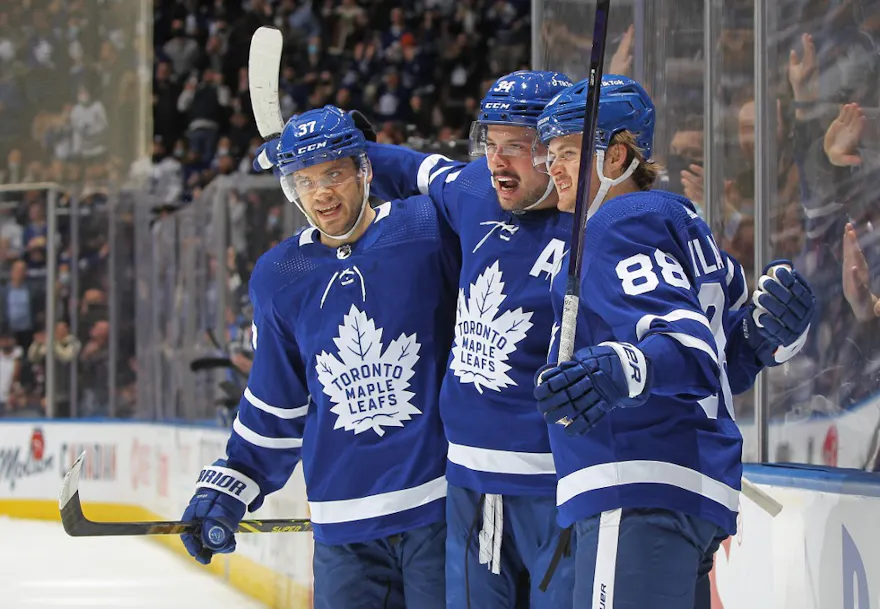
{"points": [[509, 155], [331, 194], [565, 153]]}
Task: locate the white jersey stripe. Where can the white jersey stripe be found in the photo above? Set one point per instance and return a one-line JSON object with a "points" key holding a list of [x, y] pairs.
{"points": [[374, 506], [606, 559], [645, 322], [501, 461], [249, 435], [694, 343], [608, 475], [424, 174], [281, 413]]}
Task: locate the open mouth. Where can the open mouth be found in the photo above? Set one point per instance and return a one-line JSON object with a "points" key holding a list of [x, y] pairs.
{"points": [[506, 184], [562, 184], [328, 210]]}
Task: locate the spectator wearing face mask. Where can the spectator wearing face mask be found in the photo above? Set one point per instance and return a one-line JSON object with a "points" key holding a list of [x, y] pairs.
{"points": [[88, 120]]}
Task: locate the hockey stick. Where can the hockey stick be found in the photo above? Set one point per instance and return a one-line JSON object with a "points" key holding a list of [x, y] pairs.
{"points": [[77, 525], [760, 498], [571, 301], [209, 363], [263, 65]]}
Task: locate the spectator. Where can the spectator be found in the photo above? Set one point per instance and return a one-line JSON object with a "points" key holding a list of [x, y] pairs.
{"points": [[66, 349], [204, 103], [10, 369], [88, 121], [21, 305], [95, 371], [181, 50]]}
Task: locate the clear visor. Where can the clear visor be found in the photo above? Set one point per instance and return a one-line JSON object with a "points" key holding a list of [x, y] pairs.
{"points": [[564, 152], [492, 140], [329, 175]]}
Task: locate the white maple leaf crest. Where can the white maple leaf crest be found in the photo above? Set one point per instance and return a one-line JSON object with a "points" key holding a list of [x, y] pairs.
{"points": [[484, 339], [368, 387]]}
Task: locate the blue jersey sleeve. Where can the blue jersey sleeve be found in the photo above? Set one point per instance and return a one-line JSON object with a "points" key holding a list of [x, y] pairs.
{"points": [[400, 172], [743, 364], [636, 281], [267, 434]]}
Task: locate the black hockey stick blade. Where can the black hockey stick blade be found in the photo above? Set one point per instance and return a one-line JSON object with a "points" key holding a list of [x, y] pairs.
{"points": [[76, 524], [209, 363]]}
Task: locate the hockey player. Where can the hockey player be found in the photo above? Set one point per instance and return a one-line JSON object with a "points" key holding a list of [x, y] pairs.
{"points": [[647, 451], [501, 510], [353, 322]]}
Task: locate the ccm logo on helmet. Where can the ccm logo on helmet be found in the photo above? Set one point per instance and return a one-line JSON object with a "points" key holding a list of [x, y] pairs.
{"points": [[497, 106], [311, 147]]}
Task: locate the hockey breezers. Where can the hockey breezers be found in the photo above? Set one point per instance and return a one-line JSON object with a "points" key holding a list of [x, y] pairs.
{"points": [[77, 525]]}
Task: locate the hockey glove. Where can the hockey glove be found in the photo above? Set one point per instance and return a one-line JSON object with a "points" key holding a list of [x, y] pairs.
{"points": [[578, 393], [780, 314], [222, 497], [267, 156]]}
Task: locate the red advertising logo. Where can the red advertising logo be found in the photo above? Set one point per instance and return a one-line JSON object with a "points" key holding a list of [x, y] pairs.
{"points": [[38, 444], [141, 455], [830, 446]]}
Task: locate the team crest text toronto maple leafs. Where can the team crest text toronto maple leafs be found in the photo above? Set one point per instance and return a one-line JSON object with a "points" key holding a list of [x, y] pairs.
{"points": [[369, 387], [485, 337]]}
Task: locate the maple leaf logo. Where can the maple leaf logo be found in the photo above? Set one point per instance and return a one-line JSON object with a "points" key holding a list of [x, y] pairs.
{"points": [[370, 389], [484, 339]]}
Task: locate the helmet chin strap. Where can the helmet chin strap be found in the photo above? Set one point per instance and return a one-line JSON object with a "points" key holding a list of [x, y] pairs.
{"points": [[606, 183], [550, 188]]}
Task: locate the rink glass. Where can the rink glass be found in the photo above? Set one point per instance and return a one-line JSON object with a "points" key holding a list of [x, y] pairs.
{"points": [[720, 115]]}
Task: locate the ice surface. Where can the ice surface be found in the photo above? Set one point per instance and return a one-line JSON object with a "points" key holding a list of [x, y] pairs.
{"points": [[41, 567]]}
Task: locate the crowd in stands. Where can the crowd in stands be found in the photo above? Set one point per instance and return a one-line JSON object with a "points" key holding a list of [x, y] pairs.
{"points": [[69, 80], [416, 69]]}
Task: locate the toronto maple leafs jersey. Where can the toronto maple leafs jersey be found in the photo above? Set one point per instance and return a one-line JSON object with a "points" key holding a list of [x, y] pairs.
{"points": [[498, 441], [654, 277], [350, 351]]}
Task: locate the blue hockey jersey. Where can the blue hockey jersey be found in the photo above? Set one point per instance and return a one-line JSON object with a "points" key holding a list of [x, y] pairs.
{"points": [[498, 441], [653, 276], [350, 351]]}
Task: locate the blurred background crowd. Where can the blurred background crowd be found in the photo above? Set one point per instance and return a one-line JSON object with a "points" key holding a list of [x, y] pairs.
{"points": [[140, 111]]}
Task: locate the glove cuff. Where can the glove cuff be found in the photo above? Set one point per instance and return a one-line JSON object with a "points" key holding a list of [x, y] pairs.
{"points": [[635, 364], [229, 482]]}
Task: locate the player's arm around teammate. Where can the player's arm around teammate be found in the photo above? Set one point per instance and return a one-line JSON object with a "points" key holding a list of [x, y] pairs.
{"points": [[641, 418], [353, 324]]}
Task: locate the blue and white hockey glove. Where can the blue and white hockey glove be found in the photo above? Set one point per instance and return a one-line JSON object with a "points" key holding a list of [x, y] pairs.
{"points": [[779, 316], [267, 156], [578, 393], [222, 497]]}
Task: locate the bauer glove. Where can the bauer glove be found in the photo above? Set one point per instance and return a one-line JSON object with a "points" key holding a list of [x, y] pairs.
{"points": [[578, 393]]}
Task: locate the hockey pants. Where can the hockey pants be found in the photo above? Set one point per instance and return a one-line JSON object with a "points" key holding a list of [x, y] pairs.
{"points": [[531, 540], [639, 558], [396, 572]]}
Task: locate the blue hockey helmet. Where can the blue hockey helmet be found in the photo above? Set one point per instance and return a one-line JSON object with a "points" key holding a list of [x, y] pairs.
{"points": [[516, 99], [317, 136], [320, 136], [623, 106], [520, 97]]}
